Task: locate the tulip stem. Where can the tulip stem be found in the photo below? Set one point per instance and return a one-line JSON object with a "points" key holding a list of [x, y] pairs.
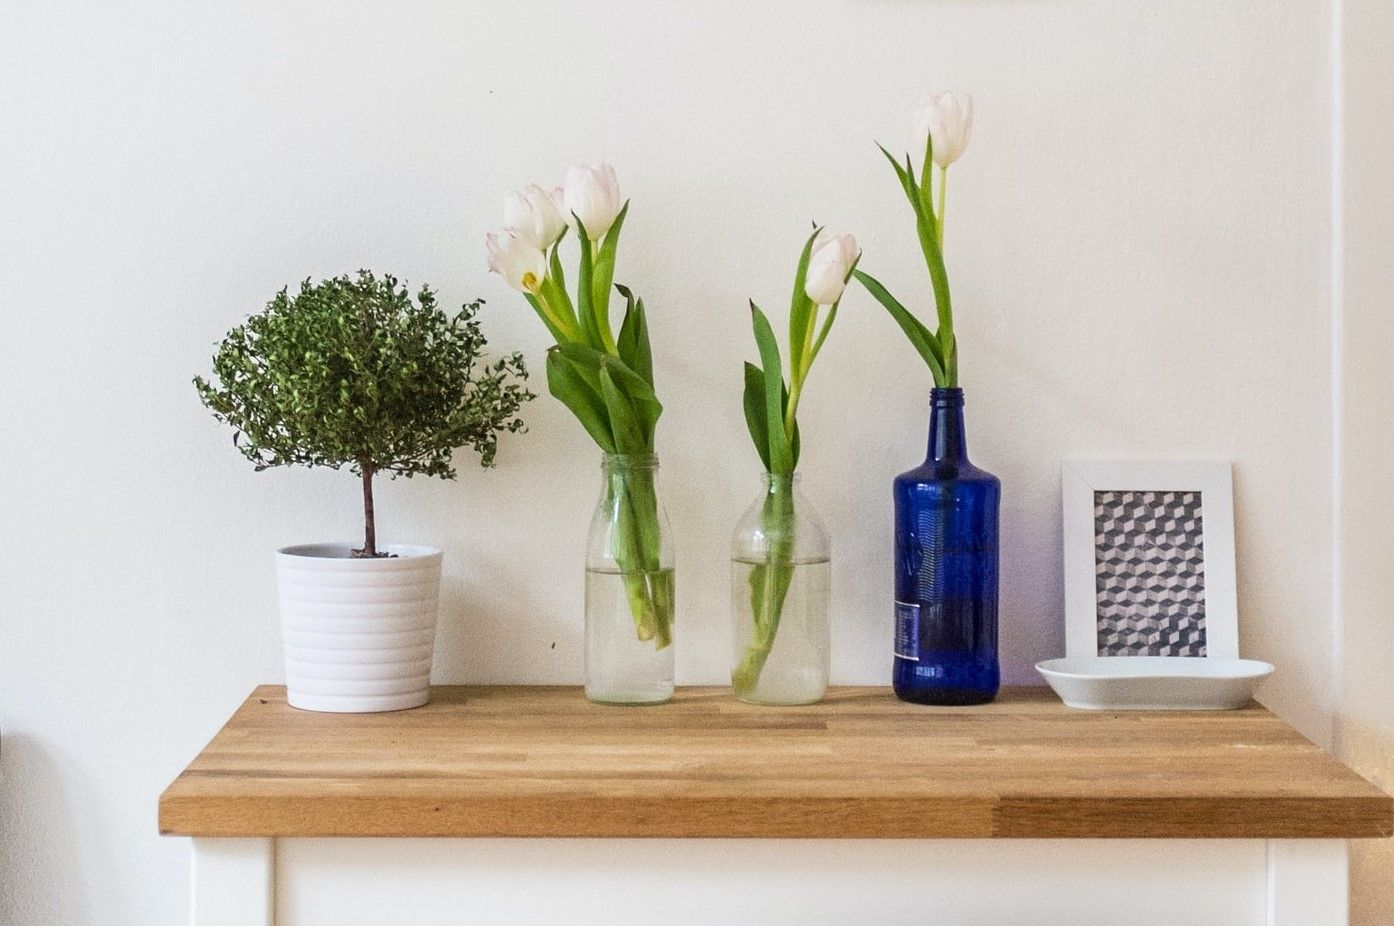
{"points": [[789, 413], [943, 187], [769, 583], [799, 373]]}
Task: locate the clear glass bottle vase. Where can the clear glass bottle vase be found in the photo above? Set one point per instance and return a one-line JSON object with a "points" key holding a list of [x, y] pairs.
{"points": [[781, 568], [629, 587]]}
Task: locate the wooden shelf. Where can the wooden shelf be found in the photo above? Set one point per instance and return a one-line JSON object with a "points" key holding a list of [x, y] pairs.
{"points": [[530, 761]]}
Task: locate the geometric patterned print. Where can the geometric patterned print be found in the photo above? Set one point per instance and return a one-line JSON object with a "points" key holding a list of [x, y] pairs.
{"points": [[1149, 568]]}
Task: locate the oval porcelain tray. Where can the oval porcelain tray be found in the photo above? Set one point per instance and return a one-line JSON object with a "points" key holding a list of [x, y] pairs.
{"points": [[1154, 683]]}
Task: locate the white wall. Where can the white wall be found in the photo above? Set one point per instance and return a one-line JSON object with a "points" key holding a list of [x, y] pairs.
{"points": [[1365, 550], [1138, 238]]}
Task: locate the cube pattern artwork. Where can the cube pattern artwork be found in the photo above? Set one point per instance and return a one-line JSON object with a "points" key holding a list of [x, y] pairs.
{"points": [[1149, 566]]}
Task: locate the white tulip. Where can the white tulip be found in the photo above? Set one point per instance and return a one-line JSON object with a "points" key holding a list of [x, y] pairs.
{"points": [[949, 122], [532, 214], [828, 267], [520, 262], [592, 194]]}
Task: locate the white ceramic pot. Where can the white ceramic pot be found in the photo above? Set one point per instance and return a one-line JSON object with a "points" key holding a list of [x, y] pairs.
{"points": [[358, 633]]}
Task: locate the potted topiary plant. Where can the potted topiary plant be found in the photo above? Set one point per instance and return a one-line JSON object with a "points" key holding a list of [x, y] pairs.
{"points": [[352, 372]]}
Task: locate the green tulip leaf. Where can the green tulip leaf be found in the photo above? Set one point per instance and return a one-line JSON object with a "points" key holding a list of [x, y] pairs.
{"points": [[939, 278], [781, 453], [544, 312], [574, 389], [558, 304], [907, 180], [592, 361], [586, 359], [585, 303], [605, 276], [644, 403], [558, 273], [629, 432], [755, 421], [823, 333], [920, 337], [926, 227], [801, 310], [793, 447], [646, 406], [633, 342], [927, 172]]}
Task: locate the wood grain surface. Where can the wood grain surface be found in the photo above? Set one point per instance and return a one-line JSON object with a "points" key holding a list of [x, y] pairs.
{"points": [[538, 761]]}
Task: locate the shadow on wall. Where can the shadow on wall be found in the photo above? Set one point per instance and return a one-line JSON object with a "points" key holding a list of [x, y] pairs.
{"points": [[38, 838]]}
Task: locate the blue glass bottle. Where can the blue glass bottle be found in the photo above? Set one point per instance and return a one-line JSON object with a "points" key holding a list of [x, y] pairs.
{"points": [[946, 569]]}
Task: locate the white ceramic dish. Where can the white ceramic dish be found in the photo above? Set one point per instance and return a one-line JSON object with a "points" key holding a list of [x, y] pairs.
{"points": [[1154, 683]]}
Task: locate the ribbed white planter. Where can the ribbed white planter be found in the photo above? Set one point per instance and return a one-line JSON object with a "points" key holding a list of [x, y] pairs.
{"points": [[358, 633]]}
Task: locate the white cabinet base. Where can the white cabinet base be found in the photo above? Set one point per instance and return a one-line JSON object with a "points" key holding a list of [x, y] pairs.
{"points": [[677, 882], [233, 882]]}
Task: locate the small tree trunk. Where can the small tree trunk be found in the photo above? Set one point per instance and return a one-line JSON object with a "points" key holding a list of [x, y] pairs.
{"points": [[370, 532]]}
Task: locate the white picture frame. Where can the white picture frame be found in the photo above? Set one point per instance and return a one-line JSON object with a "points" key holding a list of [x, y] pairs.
{"points": [[1130, 557]]}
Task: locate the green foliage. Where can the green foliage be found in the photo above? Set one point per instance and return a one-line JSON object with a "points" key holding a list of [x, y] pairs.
{"points": [[606, 382], [771, 404], [353, 372], [771, 414], [924, 341], [781, 451], [938, 349]]}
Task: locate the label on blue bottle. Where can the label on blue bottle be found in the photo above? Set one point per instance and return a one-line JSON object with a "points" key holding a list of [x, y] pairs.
{"points": [[907, 630]]}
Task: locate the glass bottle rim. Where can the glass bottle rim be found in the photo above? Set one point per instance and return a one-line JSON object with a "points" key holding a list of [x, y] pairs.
{"points": [[629, 461], [946, 396], [770, 478]]}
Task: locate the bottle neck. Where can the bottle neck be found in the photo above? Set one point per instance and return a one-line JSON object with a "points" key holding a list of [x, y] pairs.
{"points": [[779, 483], [615, 464], [947, 441], [619, 472]]}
